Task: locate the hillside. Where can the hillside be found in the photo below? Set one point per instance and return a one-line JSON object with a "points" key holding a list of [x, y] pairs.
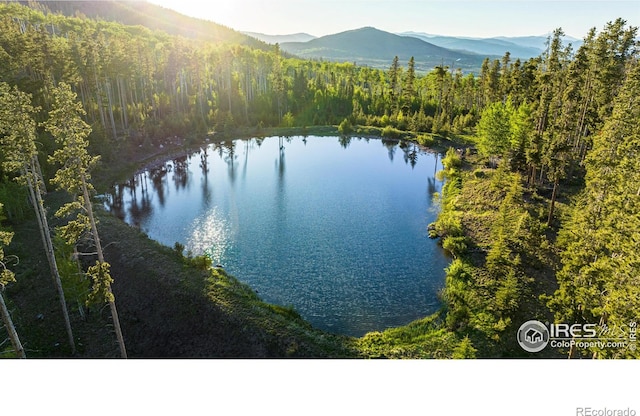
{"points": [[538, 42], [151, 16], [373, 47], [523, 47], [480, 46], [273, 39]]}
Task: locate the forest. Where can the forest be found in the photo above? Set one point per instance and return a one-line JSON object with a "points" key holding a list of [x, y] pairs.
{"points": [[540, 211]]}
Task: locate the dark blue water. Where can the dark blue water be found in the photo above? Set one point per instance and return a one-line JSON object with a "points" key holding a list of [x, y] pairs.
{"points": [[336, 228]]}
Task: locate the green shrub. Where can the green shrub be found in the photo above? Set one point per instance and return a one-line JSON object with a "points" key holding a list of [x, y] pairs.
{"points": [[425, 140], [286, 311], [179, 248], [464, 350], [433, 233], [202, 262], [452, 159], [288, 120], [508, 293], [345, 127], [449, 224], [15, 200], [459, 270], [392, 133], [75, 283], [457, 246]]}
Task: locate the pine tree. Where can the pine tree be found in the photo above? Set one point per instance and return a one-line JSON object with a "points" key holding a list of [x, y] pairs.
{"points": [[6, 277], [70, 133], [17, 136], [409, 86], [394, 76], [522, 132]]}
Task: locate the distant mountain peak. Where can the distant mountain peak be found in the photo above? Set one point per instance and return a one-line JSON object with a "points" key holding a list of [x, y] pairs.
{"points": [[374, 47], [273, 39]]}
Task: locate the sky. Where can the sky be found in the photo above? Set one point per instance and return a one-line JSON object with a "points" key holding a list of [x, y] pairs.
{"points": [[472, 18]]}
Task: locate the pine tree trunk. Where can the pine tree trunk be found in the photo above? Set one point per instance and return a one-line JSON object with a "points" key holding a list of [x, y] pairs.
{"points": [[122, 102], [11, 329], [96, 239], [43, 225], [112, 121], [532, 179], [99, 100], [541, 175], [553, 202], [38, 174]]}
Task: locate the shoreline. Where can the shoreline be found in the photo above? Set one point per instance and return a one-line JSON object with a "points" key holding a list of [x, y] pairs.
{"points": [[177, 147]]}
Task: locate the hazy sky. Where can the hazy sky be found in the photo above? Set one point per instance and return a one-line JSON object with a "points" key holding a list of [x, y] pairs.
{"points": [[459, 18]]}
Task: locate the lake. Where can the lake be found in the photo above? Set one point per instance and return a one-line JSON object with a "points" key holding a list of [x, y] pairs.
{"points": [[335, 227]]}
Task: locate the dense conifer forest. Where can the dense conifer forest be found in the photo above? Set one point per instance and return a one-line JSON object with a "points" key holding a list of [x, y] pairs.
{"points": [[540, 211]]}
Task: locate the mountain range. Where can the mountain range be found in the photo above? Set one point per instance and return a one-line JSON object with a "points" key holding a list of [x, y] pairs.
{"points": [[372, 46], [376, 48], [273, 39], [365, 46], [489, 46]]}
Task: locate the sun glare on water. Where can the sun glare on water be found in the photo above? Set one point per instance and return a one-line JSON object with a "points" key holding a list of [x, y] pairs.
{"points": [[210, 235]]}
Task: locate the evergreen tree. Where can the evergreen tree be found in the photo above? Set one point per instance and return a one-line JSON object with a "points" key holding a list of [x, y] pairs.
{"points": [[17, 136], [409, 87], [70, 133], [522, 132], [6, 277], [394, 77]]}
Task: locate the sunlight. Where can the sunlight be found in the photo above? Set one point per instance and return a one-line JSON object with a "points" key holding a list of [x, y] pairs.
{"points": [[226, 12], [210, 236]]}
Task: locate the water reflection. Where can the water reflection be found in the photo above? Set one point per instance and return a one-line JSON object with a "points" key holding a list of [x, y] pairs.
{"points": [[391, 147], [204, 176], [329, 225], [246, 159], [344, 141], [432, 187], [209, 234], [141, 208], [181, 171], [410, 153], [137, 205], [280, 194]]}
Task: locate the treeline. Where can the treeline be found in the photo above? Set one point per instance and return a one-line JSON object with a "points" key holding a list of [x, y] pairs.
{"points": [[136, 83]]}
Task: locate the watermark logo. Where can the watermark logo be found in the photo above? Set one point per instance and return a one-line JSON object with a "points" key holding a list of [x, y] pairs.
{"points": [[533, 336], [590, 411]]}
